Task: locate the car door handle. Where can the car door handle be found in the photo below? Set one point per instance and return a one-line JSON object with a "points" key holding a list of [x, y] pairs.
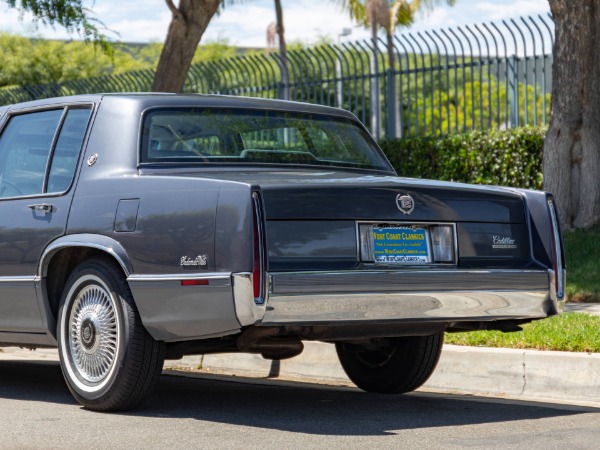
{"points": [[42, 207]]}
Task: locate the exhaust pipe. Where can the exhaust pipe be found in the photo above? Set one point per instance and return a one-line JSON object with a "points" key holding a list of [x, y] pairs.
{"points": [[269, 342]]}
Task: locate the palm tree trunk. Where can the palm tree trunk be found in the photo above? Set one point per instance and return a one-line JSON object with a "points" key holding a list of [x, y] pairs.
{"points": [[285, 74]]}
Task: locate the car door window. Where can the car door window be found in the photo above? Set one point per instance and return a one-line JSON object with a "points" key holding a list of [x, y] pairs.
{"points": [[66, 153], [27, 156], [25, 146]]}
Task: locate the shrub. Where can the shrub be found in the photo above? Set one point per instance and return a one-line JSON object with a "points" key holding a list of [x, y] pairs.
{"points": [[501, 157]]}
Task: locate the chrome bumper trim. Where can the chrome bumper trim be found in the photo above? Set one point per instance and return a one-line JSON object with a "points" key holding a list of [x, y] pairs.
{"points": [[412, 296], [407, 281], [247, 311], [172, 312]]}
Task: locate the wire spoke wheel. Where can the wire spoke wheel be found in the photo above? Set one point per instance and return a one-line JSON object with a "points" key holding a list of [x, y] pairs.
{"points": [[109, 360], [93, 337]]}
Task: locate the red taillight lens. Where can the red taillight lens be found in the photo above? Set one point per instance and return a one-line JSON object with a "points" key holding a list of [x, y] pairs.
{"points": [[194, 282], [257, 271]]}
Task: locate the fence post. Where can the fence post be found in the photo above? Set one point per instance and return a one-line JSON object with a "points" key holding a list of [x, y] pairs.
{"points": [[390, 127], [425, 83], [375, 103], [513, 89]]}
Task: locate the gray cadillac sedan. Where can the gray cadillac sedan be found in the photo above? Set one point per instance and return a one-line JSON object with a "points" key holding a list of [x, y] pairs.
{"points": [[139, 227]]}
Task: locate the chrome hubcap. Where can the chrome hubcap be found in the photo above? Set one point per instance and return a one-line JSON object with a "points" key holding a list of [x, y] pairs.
{"points": [[93, 333]]}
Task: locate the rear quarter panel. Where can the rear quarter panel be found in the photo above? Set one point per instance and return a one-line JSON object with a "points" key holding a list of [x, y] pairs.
{"points": [[176, 218]]}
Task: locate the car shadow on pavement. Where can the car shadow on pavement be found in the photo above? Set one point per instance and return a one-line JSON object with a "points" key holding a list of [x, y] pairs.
{"points": [[305, 408], [293, 407], [33, 381]]}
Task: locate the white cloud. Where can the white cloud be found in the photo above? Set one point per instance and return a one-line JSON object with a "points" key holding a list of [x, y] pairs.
{"points": [[438, 18], [143, 30]]}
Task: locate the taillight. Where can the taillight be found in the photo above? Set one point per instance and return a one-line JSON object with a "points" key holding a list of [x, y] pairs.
{"points": [[258, 269], [194, 282], [559, 273]]}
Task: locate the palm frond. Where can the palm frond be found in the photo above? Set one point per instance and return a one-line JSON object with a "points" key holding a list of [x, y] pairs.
{"points": [[403, 13], [356, 9]]}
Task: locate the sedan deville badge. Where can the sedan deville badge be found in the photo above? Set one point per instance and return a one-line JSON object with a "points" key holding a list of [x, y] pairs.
{"points": [[200, 261], [405, 203]]}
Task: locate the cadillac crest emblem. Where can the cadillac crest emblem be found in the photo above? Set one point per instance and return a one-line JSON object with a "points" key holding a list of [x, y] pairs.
{"points": [[405, 203]]}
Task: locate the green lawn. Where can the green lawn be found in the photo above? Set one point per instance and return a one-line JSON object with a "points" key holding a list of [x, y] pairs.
{"points": [[582, 250], [571, 332]]}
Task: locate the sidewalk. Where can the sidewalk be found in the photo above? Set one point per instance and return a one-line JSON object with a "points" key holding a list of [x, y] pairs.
{"points": [[590, 308], [522, 374]]}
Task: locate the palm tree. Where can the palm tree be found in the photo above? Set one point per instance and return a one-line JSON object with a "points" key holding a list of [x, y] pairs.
{"points": [[285, 75], [387, 14]]}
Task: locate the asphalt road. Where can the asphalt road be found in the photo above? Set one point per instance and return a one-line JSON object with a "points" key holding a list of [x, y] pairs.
{"points": [[202, 411]]}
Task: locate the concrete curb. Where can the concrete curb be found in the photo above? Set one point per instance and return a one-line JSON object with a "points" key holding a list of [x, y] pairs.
{"points": [[521, 374], [562, 377]]}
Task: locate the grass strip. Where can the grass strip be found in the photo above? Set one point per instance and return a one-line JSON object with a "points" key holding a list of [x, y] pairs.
{"points": [[569, 332], [583, 264]]}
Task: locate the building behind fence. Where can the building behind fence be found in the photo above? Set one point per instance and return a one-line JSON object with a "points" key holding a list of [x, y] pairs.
{"points": [[494, 75]]}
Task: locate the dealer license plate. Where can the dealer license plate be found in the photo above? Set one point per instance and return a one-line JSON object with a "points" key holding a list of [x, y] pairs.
{"points": [[401, 245]]}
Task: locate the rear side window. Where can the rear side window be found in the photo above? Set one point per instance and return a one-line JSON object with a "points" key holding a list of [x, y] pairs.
{"points": [[39, 151], [226, 136], [68, 146]]}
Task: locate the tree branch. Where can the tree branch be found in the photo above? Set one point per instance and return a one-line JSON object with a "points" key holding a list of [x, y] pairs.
{"points": [[174, 10]]}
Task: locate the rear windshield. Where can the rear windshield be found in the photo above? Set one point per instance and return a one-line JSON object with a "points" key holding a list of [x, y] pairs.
{"points": [[203, 135]]}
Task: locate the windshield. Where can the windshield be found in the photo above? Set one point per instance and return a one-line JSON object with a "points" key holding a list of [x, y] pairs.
{"points": [[204, 135]]}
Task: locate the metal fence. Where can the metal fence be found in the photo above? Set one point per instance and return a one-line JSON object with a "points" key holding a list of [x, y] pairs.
{"points": [[431, 82]]}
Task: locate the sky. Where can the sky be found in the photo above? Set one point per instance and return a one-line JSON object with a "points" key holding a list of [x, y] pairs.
{"points": [[245, 24]]}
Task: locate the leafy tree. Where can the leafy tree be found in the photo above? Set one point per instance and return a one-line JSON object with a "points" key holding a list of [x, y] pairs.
{"points": [[214, 51], [147, 55], [189, 21], [70, 14], [572, 147], [36, 61]]}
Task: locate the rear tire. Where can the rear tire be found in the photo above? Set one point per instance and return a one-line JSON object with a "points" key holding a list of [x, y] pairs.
{"points": [[108, 359], [402, 366]]}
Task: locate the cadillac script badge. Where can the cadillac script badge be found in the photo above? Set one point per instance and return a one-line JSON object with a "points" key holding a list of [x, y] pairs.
{"points": [[405, 203], [503, 242], [199, 261]]}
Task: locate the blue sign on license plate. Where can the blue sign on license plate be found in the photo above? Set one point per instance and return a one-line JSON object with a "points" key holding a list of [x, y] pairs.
{"points": [[404, 245]]}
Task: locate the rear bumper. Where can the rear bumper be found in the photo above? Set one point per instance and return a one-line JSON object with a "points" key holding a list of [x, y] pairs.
{"points": [[340, 298]]}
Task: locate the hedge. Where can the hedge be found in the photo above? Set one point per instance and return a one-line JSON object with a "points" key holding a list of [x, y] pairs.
{"points": [[502, 157]]}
